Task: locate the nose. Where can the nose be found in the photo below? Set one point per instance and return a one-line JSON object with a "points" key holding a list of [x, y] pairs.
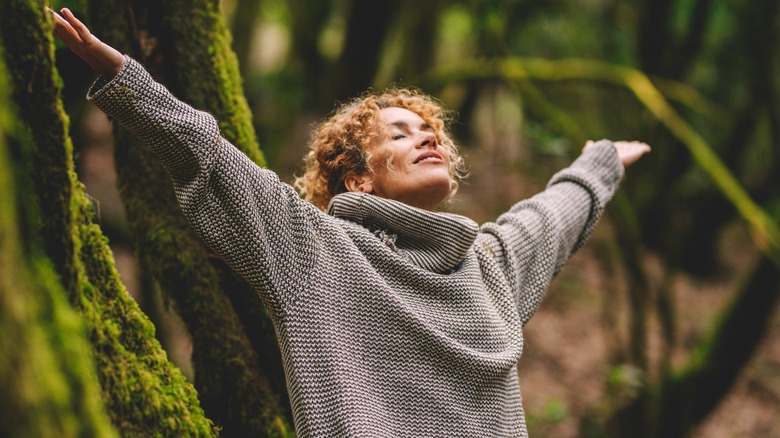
{"points": [[428, 140]]}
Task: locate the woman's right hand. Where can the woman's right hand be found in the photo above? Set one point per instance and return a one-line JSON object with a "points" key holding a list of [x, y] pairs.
{"points": [[103, 58]]}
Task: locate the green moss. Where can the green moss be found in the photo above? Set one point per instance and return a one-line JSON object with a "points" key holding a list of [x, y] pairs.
{"points": [[217, 89], [140, 388], [230, 377], [46, 375], [29, 66], [147, 389]]}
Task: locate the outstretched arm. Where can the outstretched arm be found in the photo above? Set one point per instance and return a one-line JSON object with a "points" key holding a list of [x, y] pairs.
{"points": [[103, 58], [533, 240], [243, 213]]}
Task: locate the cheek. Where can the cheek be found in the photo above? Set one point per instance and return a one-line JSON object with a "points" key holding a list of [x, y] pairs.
{"points": [[386, 159], [379, 160]]}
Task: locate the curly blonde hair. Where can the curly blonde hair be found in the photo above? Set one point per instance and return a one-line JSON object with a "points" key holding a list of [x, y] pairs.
{"points": [[340, 145]]}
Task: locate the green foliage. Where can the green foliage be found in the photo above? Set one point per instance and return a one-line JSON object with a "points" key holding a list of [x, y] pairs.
{"points": [[625, 382], [553, 412]]}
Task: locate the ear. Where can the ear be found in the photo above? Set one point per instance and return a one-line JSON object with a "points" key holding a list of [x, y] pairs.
{"points": [[358, 183]]}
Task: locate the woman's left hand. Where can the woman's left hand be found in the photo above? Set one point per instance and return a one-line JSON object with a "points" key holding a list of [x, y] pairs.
{"points": [[628, 151]]}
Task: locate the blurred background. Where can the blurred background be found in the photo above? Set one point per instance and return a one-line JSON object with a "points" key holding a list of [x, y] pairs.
{"points": [[671, 308]]}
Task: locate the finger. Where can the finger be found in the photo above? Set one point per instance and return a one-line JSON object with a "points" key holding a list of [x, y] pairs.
{"points": [[76, 24], [60, 24], [64, 31]]}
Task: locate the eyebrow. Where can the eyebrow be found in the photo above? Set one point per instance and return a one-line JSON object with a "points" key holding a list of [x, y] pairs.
{"points": [[403, 125]]}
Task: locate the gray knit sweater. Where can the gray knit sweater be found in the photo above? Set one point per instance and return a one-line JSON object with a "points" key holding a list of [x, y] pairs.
{"points": [[393, 321]]}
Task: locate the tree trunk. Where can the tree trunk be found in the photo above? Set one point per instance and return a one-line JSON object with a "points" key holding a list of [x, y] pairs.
{"points": [[143, 393], [367, 29], [45, 366], [238, 367]]}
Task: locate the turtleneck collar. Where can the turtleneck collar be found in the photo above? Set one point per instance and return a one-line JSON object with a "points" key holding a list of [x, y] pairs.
{"points": [[434, 241]]}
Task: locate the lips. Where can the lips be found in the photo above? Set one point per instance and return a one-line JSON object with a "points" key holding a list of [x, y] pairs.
{"points": [[430, 156]]}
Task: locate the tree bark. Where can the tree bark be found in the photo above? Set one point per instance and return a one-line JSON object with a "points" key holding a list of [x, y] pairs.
{"points": [[367, 29], [45, 366], [143, 393]]}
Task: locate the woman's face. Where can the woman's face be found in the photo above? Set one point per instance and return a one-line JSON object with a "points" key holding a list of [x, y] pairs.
{"points": [[409, 164]]}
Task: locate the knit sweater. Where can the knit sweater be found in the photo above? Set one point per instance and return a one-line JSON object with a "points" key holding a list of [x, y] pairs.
{"points": [[393, 321]]}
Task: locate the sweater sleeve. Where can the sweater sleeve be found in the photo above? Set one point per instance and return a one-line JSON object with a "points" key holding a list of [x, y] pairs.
{"points": [[532, 241], [243, 213]]}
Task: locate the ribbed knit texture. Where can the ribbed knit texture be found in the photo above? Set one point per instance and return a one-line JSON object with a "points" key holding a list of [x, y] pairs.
{"points": [[393, 321]]}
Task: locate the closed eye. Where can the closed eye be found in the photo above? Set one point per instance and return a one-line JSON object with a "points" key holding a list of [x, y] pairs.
{"points": [[398, 137]]}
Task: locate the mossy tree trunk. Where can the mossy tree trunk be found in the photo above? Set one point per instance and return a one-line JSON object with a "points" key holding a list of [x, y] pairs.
{"points": [[238, 367], [46, 372], [142, 393]]}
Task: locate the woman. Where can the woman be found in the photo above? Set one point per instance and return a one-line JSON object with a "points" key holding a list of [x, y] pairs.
{"points": [[393, 319]]}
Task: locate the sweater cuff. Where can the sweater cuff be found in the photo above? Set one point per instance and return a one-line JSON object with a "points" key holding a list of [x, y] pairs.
{"points": [[598, 169], [112, 94]]}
